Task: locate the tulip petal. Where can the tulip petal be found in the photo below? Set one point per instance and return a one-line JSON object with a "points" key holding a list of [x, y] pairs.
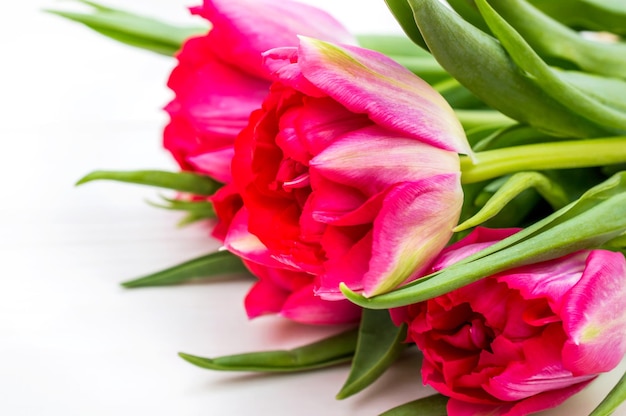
{"points": [[475, 241], [356, 159], [348, 250], [549, 279], [214, 163], [411, 230], [241, 242], [304, 307], [594, 317], [368, 82], [541, 371], [533, 404], [323, 120], [242, 30], [264, 298]]}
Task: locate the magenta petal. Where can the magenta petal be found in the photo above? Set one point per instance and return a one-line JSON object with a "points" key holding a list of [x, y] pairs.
{"points": [[264, 298], [475, 241], [282, 65], [246, 245], [217, 97], [355, 159], [243, 29], [305, 307], [533, 404], [411, 229], [347, 263], [215, 164], [369, 82], [594, 317], [549, 279], [541, 371]]}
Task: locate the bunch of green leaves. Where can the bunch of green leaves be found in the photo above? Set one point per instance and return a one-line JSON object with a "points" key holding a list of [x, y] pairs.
{"points": [[528, 63]]}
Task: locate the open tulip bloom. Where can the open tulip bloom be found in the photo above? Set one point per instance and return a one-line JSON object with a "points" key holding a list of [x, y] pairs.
{"points": [[467, 197]]}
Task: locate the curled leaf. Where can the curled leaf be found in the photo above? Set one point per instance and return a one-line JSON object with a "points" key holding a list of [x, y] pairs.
{"points": [[513, 187]]}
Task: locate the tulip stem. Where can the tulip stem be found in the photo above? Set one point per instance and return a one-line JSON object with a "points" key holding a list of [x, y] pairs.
{"points": [[480, 118], [491, 164]]}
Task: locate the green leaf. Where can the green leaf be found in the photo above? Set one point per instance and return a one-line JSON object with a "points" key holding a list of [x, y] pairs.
{"points": [[611, 402], [196, 210], [392, 45], [209, 266], [132, 29], [428, 406], [598, 15], [331, 351], [379, 345], [467, 9], [597, 217], [180, 181], [403, 14], [539, 73], [458, 96], [514, 135], [609, 91], [555, 42], [514, 186], [479, 62]]}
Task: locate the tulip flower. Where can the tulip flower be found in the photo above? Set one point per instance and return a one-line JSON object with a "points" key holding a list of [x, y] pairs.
{"points": [[349, 171], [525, 339], [219, 78]]}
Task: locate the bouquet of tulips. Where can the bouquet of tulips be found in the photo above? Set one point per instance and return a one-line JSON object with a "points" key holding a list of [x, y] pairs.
{"points": [[462, 188]]}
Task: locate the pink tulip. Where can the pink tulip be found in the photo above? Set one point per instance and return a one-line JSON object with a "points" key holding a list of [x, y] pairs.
{"points": [[523, 340], [219, 79], [290, 294], [280, 290], [349, 171]]}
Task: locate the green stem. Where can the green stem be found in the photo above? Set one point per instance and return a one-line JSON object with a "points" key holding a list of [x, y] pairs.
{"points": [[480, 118], [553, 155]]}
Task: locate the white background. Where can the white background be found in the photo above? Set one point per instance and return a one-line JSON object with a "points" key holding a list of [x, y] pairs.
{"points": [[72, 342]]}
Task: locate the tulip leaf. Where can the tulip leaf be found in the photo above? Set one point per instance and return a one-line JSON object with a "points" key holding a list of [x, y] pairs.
{"points": [[392, 45], [379, 345], [434, 405], [479, 62], [132, 29], [597, 217], [611, 402], [514, 135], [334, 350], [469, 12], [514, 186], [179, 181], [460, 97], [196, 210], [609, 91], [539, 73], [553, 40], [205, 267], [403, 14], [598, 15]]}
